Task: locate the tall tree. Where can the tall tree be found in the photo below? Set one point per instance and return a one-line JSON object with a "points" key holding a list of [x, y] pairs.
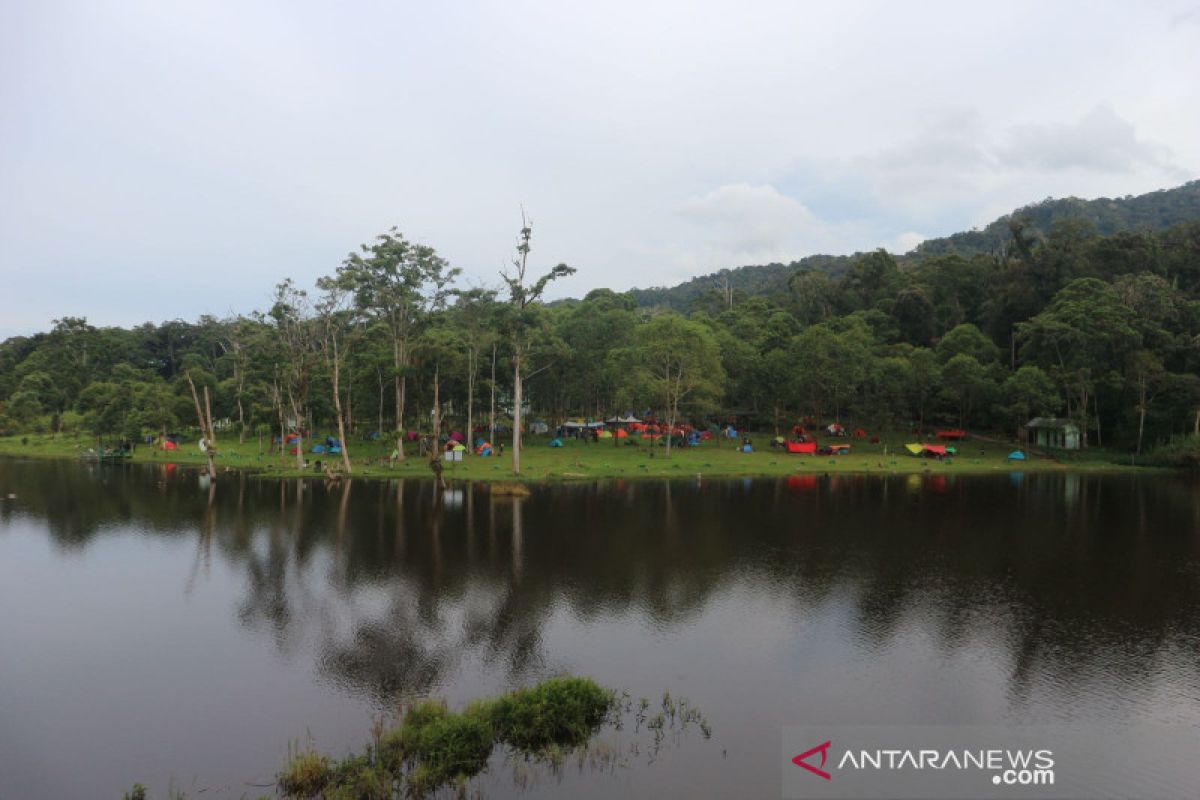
{"points": [[677, 363], [523, 299], [339, 329], [1081, 335], [292, 314], [398, 281]]}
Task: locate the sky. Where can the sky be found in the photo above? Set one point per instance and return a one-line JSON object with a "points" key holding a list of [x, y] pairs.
{"points": [[163, 160]]}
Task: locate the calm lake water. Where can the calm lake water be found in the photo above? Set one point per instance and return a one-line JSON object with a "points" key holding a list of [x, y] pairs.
{"points": [[152, 631]]}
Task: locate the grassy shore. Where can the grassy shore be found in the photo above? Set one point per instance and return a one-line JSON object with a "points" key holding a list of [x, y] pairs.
{"points": [[577, 460]]}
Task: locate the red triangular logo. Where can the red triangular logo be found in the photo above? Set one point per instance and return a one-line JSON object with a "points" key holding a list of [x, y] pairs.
{"points": [[823, 750]]}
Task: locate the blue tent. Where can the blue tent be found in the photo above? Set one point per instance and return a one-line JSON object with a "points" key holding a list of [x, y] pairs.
{"points": [[318, 448], [1016, 455], [556, 442]]}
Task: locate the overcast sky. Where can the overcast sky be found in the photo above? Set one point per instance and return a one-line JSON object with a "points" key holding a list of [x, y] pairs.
{"points": [[163, 159]]}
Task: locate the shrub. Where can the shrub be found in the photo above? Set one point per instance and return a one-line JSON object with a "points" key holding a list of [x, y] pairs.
{"points": [[557, 712]]}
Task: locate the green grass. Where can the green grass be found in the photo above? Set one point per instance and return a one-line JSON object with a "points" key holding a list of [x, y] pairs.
{"points": [[577, 460], [434, 747]]}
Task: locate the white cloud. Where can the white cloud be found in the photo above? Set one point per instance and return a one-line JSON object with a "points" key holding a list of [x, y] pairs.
{"points": [[753, 223], [1101, 141], [191, 163], [906, 242]]}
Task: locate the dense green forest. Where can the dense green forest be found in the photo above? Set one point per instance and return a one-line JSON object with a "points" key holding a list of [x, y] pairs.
{"points": [[1101, 328], [1154, 211]]}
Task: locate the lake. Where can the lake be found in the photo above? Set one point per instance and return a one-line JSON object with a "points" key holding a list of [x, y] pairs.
{"points": [[155, 631]]}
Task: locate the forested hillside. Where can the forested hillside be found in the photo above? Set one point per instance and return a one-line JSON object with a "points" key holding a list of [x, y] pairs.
{"points": [[1105, 216], [1104, 329]]}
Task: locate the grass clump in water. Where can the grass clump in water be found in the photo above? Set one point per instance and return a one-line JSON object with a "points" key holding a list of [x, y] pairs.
{"points": [[559, 712], [437, 746], [434, 747], [305, 775]]}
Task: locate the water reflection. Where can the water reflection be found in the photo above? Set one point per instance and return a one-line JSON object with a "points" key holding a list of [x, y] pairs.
{"points": [[1079, 593], [1059, 566]]}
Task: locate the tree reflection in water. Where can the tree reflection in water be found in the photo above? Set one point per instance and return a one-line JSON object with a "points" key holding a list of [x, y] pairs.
{"points": [[1068, 573]]}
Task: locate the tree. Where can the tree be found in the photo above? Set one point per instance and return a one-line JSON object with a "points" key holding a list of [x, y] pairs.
{"points": [[1027, 393], [339, 329], [398, 282], [438, 346], [967, 383], [523, 300], [1146, 372], [833, 364], [675, 361], [474, 313], [292, 314], [1082, 333], [966, 339]]}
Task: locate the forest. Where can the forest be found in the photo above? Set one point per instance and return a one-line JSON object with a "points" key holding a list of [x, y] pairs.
{"points": [[1103, 329]]}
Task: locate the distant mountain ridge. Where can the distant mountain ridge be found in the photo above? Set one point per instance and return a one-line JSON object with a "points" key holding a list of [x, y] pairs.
{"points": [[1152, 211]]}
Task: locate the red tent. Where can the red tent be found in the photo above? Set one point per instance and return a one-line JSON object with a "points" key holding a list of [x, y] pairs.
{"points": [[952, 435], [859, 433], [169, 445], [938, 450], [802, 447]]}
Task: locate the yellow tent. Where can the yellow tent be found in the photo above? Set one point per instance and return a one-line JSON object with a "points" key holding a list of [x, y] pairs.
{"points": [[915, 449]]}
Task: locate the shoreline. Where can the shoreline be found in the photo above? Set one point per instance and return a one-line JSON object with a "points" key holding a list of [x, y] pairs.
{"points": [[582, 462]]}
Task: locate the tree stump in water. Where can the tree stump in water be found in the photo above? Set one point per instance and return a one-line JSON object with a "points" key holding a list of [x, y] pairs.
{"points": [[435, 464]]}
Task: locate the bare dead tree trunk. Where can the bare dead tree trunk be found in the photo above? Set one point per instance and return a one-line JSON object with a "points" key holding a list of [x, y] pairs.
{"points": [[299, 430], [204, 417], [337, 405]]}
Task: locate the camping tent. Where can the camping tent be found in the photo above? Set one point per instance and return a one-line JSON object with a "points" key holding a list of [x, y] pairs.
{"points": [[835, 429], [483, 449], [539, 428], [1016, 455], [859, 433], [556, 442], [605, 434], [952, 435], [806, 448]]}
